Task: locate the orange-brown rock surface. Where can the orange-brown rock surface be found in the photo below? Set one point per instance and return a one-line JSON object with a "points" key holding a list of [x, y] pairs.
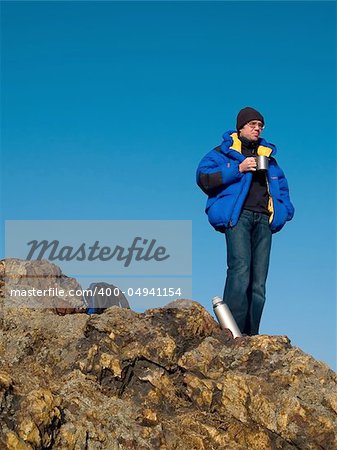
{"points": [[168, 378]]}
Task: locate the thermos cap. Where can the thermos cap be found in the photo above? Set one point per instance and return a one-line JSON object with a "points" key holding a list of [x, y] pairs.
{"points": [[216, 300]]}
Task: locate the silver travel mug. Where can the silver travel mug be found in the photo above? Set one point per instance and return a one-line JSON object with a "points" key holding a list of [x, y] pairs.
{"points": [[262, 162], [224, 316]]}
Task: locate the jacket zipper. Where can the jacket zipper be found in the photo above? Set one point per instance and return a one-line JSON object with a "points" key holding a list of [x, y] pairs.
{"points": [[237, 198], [270, 201]]}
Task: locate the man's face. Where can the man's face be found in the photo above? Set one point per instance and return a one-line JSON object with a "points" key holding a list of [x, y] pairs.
{"points": [[252, 130]]}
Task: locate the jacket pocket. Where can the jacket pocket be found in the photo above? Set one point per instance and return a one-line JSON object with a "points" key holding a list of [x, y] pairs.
{"points": [[220, 211], [280, 214]]}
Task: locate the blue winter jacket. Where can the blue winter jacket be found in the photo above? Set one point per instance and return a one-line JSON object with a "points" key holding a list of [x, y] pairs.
{"points": [[219, 177]]}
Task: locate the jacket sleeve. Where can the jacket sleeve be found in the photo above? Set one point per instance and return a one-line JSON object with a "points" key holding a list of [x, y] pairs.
{"points": [[212, 174], [284, 192]]}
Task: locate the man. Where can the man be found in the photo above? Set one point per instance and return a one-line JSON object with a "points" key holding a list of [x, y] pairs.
{"points": [[248, 205]]}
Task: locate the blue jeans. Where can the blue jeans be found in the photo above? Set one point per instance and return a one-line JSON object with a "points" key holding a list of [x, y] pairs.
{"points": [[248, 251]]}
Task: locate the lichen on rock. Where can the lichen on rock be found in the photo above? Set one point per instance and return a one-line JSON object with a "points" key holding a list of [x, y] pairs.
{"points": [[168, 378]]}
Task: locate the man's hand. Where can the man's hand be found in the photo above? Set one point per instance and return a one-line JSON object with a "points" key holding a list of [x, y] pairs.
{"points": [[249, 164]]}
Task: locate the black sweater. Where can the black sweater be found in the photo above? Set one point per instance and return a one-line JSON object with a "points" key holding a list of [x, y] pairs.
{"points": [[257, 198]]}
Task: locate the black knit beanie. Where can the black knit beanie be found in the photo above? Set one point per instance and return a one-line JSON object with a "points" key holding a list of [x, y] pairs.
{"points": [[246, 115]]}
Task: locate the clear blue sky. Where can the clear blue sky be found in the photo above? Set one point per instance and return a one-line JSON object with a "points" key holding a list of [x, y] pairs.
{"points": [[107, 108]]}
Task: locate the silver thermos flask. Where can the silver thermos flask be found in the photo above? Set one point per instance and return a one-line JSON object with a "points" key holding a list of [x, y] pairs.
{"points": [[224, 316]]}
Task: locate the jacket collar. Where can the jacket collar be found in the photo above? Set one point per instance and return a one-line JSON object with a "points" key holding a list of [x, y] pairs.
{"points": [[232, 142]]}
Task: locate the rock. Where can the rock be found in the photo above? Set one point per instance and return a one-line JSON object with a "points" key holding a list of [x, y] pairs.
{"points": [[25, 276], [168, 378]]}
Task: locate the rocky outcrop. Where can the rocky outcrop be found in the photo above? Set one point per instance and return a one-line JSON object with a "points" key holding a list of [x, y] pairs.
{"points": [[24, 276], [168, 378]]}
